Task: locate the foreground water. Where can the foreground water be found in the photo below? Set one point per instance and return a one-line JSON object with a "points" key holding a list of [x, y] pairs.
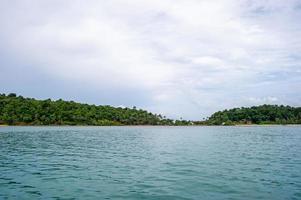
{"points": [[150, 162]]}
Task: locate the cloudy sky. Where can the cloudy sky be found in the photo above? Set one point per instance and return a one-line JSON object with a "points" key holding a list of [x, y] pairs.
{"points": [[181, 58]]}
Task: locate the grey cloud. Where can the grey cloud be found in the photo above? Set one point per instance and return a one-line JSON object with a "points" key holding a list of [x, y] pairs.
{"points": [[179, 58]]}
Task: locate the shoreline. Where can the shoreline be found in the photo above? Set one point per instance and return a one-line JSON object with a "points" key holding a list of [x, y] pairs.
{"points": [[238, 125]]}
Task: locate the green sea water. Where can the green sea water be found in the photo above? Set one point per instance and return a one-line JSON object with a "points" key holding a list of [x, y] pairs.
{"points": [[150, 162]]}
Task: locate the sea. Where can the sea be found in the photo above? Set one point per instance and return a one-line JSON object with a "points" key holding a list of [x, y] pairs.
{"points": [[150, 162]]}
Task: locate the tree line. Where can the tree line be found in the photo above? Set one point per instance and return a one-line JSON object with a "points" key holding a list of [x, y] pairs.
{"points": [[264, 114], [17, 110]]}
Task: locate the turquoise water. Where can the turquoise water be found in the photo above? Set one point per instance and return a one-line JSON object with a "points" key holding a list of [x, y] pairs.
{"points": [[150, 162]]}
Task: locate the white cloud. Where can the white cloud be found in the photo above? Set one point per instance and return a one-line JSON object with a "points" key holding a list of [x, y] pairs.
{"points": [[191, 57], [263, 100]]}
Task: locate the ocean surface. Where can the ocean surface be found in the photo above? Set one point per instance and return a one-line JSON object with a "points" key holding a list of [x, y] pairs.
{"points": [[150, 162]]}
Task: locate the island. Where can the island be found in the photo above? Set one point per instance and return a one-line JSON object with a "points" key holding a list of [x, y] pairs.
{"points": [[260, 115], [18, 110]]}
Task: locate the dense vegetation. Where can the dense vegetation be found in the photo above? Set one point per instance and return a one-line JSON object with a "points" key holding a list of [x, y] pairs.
{"points": [[17, 110], [265, 114]]}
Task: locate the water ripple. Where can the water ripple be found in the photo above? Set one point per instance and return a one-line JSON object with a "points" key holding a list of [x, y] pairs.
{"points": [[150, 162]]}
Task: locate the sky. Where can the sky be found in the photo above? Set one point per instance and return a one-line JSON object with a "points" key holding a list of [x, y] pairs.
{"points": [[180, 58]]}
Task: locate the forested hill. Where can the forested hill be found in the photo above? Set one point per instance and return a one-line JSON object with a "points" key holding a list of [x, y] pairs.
{"points": [[265, 114], [17, 110]]}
